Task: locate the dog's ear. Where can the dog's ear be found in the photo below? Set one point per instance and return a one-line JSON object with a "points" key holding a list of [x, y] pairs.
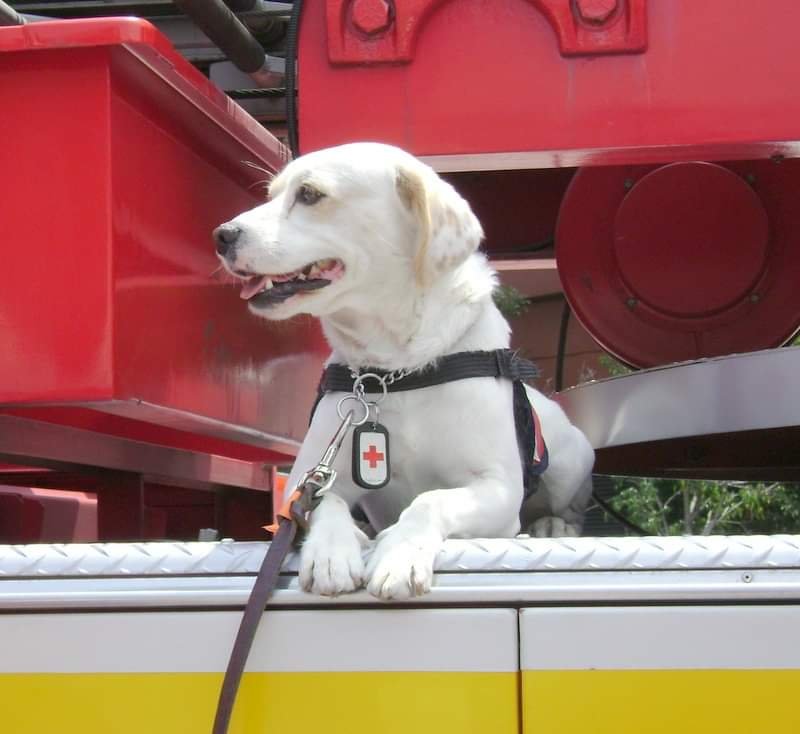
{"points": [[448, 230]]}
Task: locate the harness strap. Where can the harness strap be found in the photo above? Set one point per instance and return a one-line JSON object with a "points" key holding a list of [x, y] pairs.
{"points": [[505, 363], [460, 366], [530, 440]]}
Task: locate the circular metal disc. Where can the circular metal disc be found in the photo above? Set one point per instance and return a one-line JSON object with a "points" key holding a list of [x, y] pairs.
{"points": [[670, 263]]}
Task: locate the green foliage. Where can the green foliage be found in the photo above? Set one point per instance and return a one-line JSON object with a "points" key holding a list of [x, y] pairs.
{"points": [[699, 507], [614, 367], [510, 301]]}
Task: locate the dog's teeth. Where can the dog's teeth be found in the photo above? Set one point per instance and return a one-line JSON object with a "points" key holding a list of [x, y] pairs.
{"points": [[307, 269], [267, 285], [301, 276]]}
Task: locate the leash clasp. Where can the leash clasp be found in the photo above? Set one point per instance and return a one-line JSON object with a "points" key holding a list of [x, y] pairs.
{"points": [[317, 481]]}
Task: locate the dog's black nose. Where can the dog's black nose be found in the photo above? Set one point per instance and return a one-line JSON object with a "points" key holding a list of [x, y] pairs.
{"points": [[226, 236]]}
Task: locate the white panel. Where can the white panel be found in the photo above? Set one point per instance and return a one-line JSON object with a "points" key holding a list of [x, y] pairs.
{"points": [[638, 638], [324, 640]]}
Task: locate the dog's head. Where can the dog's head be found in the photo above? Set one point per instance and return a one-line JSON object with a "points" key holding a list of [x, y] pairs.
{"points": [[342, 222]]}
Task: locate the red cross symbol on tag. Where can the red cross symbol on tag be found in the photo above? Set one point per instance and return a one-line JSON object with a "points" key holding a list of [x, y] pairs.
{"points": [[371, 456]]}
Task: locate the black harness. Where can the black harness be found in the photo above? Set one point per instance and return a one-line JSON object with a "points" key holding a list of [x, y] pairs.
{"points": [[500, 363]]}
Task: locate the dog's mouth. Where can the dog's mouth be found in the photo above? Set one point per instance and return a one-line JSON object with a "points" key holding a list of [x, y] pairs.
{"points": [[267, 290]]}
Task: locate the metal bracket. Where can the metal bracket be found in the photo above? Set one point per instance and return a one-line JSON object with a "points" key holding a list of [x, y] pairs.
{"points": [[385, 31]]}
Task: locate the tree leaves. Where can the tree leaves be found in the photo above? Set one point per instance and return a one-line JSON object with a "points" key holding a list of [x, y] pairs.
{"points": [[704, 507]]}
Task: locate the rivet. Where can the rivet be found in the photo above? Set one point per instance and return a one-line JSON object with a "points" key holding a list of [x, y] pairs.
{"points": [[371, 16], [596, 12]]}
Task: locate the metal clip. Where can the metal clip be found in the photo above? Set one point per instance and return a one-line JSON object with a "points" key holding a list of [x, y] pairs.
{"points": [[317, 481]]}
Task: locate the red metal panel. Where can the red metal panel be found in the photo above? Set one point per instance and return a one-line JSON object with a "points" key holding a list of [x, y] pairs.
{"points": [[170, 315], [124, 161], [488, 76], [54, 294]]}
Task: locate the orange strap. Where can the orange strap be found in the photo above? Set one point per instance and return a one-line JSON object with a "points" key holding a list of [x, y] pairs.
{"points": [[285, 511]]}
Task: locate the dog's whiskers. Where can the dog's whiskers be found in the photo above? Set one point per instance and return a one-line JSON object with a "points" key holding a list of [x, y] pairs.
{"points": [[269, 173], [224, 277], [265, 182]]}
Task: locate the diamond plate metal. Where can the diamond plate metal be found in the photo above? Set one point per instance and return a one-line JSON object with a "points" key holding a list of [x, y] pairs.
{"points": [[489, 555]]}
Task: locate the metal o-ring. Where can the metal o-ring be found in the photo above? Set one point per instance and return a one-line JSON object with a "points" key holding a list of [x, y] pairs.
{"points": [[359, 384], [361, 400]]}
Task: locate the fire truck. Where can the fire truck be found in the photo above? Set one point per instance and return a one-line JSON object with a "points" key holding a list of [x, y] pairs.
{"points": [[634, 159]]}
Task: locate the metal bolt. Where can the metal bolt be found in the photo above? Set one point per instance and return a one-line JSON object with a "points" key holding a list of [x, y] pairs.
{"points": [[596, 12], [371, 16], [631, 303], [747, 577], [628, 183], [751, 179], [755, 297]]}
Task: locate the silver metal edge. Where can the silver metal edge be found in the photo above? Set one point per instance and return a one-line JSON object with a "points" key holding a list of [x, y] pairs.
{"points": [[487, 556], [726, 394], [184, 420], [513, 589], [39, 443], [569, 158]]}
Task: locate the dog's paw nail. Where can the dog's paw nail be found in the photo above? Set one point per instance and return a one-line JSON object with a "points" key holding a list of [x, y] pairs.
{"points": [[401, 567], [330, 569]]}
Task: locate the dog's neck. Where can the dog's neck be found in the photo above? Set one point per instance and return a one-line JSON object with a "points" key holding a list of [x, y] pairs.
{"points": [[412, 328]]}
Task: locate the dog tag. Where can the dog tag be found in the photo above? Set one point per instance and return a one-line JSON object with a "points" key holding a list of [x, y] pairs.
{"points": [[371, 456]]}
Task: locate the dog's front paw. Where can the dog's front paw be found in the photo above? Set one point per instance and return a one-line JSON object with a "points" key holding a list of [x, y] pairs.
{"points": [[553, 527], [401, 566], [331, 561]]}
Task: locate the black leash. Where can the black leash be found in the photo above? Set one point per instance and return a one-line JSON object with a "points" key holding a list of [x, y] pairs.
{"points": [[263, 587], [293, 516]]}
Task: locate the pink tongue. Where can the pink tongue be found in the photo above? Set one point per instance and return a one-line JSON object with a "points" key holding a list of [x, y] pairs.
{"points": [[253, 286]]}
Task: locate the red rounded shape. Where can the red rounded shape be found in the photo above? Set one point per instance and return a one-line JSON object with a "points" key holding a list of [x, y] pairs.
{"points": [[690, 239], [596, 11], [371, 16], [671, 263]]}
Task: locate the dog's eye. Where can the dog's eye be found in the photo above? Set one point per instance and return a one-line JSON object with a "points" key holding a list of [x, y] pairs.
{"points": [[308, 195]]}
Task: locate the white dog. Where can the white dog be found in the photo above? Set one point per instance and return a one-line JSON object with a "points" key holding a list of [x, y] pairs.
{"points": [[384, 252]]}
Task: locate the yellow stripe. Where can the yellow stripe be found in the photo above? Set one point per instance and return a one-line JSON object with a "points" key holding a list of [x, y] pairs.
{"points": [[661, 701], [334, 703]]}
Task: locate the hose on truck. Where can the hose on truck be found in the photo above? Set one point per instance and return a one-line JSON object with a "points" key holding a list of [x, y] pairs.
{"points": [[9, 16], [292, 35]]}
